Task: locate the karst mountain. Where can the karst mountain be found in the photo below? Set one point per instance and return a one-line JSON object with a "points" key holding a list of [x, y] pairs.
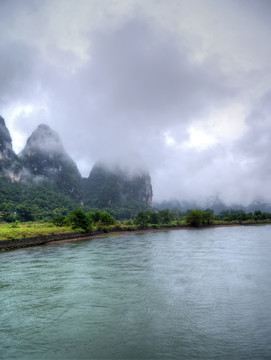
{"points": [[44, 165]]}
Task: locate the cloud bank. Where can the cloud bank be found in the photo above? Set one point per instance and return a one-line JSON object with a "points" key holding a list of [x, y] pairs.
{"points": [[181, 88]]}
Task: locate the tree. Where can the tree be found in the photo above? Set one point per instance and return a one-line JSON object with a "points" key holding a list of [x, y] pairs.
{"points": [[25, 213], [141, 219], [166, 216], [154, 218], [194, 218], [59, 220], [78, 219], [207, 217], [257, 215], [106, 218], [199, 217]]}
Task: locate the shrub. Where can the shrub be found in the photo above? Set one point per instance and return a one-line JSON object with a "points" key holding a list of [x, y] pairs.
{"points": [[132, 228], [59, 220], [15, 224], [78, 219]]}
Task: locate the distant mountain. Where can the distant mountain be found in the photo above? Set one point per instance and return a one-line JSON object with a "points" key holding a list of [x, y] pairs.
{"points": [[43, 179], [44, 159], [115, 188], [169, 204], [10, 166], [214, 204]]}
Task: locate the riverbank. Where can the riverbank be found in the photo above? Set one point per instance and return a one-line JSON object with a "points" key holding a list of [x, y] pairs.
{"points": [[13, 244]]}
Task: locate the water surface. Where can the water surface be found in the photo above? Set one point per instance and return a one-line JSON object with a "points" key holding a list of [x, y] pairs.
{"points": [[182, 294]]}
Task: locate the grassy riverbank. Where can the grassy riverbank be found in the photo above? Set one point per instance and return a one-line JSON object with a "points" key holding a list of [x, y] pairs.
{"points": [[32, 229]]}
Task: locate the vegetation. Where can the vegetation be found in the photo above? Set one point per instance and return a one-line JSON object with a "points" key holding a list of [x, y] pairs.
{"points": [[22, 230], [101, 220], [44, 201], [116, 193], [200, 217], [142, 219], [32, 202]]}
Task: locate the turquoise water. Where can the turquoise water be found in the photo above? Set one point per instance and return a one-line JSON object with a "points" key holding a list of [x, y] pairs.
{"points": [[182, 294]]}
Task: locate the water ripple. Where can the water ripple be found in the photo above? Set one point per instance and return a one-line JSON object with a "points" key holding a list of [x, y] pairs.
{"points": [[188, 294]]}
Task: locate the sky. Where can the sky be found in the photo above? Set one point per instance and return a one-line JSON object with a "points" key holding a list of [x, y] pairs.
{"points": [[179, 87]]}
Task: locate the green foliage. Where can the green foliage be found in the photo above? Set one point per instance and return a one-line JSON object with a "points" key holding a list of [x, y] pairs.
{"points": [[9, 217], [60, 220], [165, 216], [79, 220], [154, 218], [101, 217], [23, 230], [207, 217], [241, 217], [26, 213], [15, 224], [32, 201], [199, 217], [84, 221], [106, 218], [141, 220], [115, 192]]}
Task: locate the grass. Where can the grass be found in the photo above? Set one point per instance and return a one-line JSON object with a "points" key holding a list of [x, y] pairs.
{"points": [[30, 229]]}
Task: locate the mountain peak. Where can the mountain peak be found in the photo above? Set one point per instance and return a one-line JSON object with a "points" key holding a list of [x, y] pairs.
{"points": [[45, 159], [115, 187], [44, 139]]}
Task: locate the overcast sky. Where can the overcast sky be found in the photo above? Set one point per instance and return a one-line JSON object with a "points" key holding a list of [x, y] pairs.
{"points": [[181, 87]]}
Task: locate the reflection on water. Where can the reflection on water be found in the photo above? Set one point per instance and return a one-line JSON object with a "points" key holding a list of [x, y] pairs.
{"points": [[186, 294]]}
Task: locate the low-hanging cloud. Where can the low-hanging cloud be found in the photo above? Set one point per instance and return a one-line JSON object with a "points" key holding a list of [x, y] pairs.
{"points": [[131, 90]]}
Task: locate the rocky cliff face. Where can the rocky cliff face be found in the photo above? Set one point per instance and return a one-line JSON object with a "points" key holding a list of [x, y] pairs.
{"points": [[9, 163], [44, 159], [108, 188]]}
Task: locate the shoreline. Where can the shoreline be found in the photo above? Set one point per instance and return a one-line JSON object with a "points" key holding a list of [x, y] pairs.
{"points": [[13, 244], [142, 231], [117, 233]]}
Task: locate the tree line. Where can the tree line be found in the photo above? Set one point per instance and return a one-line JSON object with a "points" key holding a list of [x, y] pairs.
{"points": [[85, 221]]}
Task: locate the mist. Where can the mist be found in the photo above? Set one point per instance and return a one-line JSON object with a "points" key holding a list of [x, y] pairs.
{"points": [[180, 88]]}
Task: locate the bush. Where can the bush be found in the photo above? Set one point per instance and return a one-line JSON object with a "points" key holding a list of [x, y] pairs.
{"points": [[117, 227], [131, 228], [15, 224], [141, 220], [200, 217], [59, 220], [79, 220], [194, 218], [106, 218]]}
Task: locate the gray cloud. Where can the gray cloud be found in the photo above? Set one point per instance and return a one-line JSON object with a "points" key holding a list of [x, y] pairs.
{"points": [[129, 83], [133, 90]]}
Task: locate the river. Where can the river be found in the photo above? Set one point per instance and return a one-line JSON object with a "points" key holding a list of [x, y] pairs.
{"points": [[179, 294]]}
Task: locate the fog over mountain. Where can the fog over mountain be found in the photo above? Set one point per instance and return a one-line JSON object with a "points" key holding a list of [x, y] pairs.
{"points": [[179, 87]]}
